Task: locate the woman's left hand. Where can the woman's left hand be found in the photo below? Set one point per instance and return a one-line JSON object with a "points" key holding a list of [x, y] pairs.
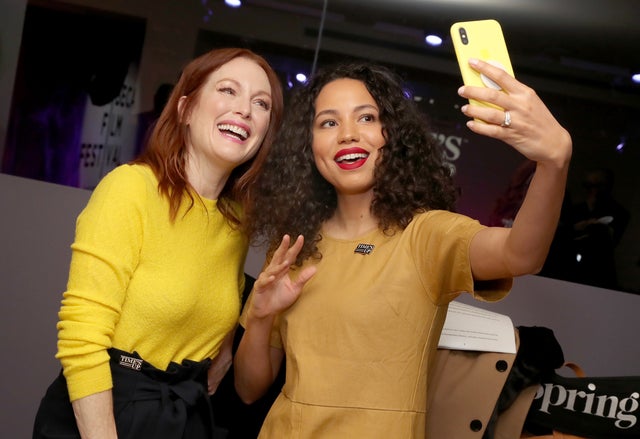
{"points": [[220, 364], [533, 130]]}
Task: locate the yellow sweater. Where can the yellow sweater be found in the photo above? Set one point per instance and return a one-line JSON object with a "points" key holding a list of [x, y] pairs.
{"points": [[137, 282]]}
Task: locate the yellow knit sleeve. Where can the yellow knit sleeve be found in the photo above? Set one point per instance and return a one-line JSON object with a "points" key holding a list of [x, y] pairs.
{"points": [[109, 233]]}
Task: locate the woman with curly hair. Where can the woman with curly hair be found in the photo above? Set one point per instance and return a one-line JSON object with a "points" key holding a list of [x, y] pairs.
{"points": [[357, 301]]}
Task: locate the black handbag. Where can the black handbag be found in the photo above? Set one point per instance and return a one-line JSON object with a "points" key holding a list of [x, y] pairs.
{"points": [[590, 407]]}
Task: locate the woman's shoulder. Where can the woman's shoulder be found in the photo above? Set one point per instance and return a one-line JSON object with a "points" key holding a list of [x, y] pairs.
{"points": [[128, 176], [437, 215], [443, 219], [125, 184], [130, 171]]}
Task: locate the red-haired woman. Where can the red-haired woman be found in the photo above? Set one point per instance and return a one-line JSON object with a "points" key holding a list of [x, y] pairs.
{"points": [[157, 267]]}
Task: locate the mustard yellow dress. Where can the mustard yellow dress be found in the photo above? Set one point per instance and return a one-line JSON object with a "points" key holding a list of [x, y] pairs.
{"points": [[361, 337]]}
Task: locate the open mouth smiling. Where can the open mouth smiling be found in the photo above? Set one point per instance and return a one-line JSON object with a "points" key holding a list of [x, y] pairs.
{"points": [[352, 158], [234, 131]]}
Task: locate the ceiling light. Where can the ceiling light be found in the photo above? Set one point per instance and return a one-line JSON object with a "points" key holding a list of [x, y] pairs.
{"points": [[233, 3], [433, 40], [636, 78]]}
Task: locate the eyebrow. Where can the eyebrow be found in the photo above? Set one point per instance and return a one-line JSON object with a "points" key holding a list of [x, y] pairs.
{"points": [[357, 109], [259, 92]]}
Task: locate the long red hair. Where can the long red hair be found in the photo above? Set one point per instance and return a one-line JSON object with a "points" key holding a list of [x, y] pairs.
{"points": [[166, 150]]}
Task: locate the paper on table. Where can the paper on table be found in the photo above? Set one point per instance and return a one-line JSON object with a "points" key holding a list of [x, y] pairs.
{"points": [[474, 329]]}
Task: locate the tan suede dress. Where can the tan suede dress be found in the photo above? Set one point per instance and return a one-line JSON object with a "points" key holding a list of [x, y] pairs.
{"points": [[361, 337]]}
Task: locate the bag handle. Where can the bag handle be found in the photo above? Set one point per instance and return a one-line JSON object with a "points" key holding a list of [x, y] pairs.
{"points": [[554, 435], [575, 368], [560, 435]]}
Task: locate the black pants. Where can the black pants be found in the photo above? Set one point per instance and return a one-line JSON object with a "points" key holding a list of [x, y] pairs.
{"points": [[147, 402]]}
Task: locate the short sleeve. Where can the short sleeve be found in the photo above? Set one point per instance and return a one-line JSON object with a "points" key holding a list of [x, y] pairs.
{"points": [[440, 243]]}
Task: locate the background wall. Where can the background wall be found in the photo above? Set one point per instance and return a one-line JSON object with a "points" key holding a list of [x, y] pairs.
{"points": [[597, 328], [595, 108], [36, 230]]}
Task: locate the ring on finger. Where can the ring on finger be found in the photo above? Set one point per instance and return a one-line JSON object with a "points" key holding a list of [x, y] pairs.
{"points": [[507, 119]]}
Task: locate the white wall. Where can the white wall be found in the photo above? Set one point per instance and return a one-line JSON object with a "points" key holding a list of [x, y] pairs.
{"points": [[596, 328], [36, 229]]}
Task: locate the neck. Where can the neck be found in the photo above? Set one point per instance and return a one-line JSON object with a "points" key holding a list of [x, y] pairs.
{"points": [[207, 181], [352, 218]]}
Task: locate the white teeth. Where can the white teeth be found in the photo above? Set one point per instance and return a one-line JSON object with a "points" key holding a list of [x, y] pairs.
{"points": [[354, 156], [234, 129]]}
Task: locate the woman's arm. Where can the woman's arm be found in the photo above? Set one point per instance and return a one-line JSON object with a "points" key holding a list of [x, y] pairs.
{"points": [[535, 133], [105, 250], [256, 362], [94, 416], [220, 364]]}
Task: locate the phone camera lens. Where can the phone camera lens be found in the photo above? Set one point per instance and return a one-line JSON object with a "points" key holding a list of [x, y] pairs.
{"points": [[463, 35]]}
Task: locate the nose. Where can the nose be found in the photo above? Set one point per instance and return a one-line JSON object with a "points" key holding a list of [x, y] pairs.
{"points": [[348, 133], [243, 108]]}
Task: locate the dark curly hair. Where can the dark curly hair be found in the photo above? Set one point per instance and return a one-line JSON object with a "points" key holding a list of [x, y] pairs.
{"points": [[291, 197]]}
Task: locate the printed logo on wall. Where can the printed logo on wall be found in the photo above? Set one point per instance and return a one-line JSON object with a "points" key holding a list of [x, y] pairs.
{"points": [[109, 132], [74, 106]]}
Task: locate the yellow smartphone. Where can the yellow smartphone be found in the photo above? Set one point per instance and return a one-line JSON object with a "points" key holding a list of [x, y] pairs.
{"points": [[484, 40]]}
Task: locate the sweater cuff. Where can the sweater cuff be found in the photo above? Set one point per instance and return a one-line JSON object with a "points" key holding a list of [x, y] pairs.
{"points": [[83, 382]]}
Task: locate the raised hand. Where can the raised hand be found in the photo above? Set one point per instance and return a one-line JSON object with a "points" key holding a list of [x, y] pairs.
{"points": [[275, 290], [529, 127], [524, 122]]}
